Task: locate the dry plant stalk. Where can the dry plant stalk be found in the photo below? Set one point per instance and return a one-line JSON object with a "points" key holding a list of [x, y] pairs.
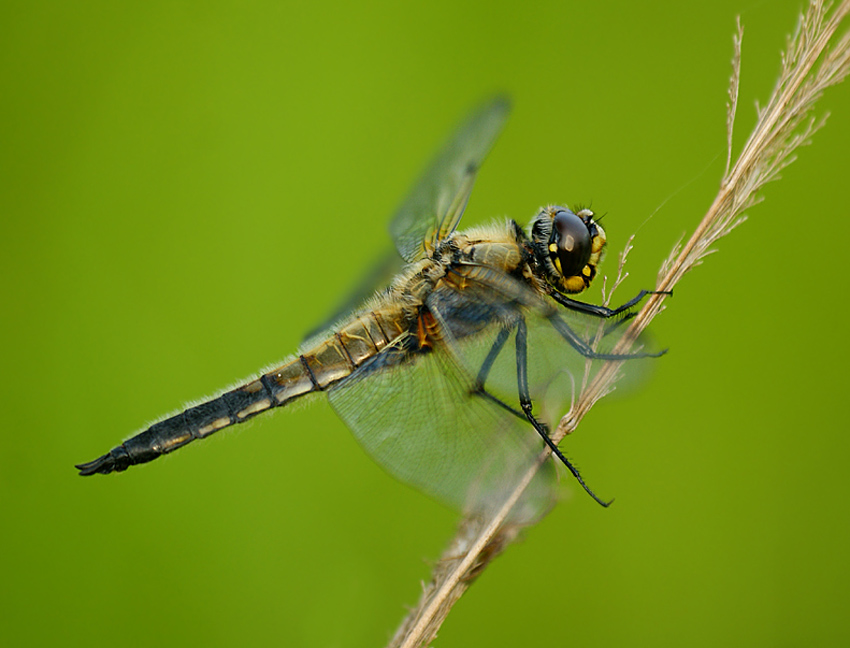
{"points": [[783, 125]]}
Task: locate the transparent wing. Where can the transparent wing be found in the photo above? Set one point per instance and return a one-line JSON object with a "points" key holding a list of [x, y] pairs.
{"points": [[434, 207], [421, 417], [415, 413]]}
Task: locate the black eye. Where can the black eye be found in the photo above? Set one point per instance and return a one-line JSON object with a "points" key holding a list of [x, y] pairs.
{"points": [[570, 243]]}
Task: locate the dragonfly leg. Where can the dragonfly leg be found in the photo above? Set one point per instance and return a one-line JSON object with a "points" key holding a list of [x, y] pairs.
{"points": [[604, 311], [526, 405], [584, 348], [487, 365], [543, 431], [494, 352]]}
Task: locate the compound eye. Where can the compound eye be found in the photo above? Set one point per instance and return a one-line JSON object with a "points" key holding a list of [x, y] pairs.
{"points": [[570, 244]]}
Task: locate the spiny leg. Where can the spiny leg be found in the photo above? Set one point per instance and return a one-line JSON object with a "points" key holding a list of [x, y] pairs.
{"points": [[487, 365], [541, 429], [523, 389], [604, 311], [494, 352], [526, 405], [584, 349]]}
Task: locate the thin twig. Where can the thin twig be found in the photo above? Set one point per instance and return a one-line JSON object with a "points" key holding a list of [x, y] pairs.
{"points": [[734, 82], [783, 125]]}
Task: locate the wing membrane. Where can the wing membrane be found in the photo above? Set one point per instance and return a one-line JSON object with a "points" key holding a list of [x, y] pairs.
{"points": [[419, 415], [434, 207], [415, 413]]}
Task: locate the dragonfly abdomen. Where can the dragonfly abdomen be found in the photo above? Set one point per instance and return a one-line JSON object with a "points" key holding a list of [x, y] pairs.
{"points": [[193, 423], [315, 369]]}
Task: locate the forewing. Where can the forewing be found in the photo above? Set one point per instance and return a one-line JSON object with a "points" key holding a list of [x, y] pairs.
{"points": [[416, 414], [434, 207]]}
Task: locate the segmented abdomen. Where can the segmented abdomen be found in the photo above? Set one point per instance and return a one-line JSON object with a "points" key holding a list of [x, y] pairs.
{"points": [[316, 369]]}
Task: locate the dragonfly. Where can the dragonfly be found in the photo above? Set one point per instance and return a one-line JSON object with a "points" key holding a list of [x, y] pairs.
{"points": [[438, 375]]}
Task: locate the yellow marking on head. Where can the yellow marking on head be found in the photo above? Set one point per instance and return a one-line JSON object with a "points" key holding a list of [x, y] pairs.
{"points": [[553, 247], [573, 284], [597, 244], [259, 406], [558, 265], [587, 271], [215, 425]]}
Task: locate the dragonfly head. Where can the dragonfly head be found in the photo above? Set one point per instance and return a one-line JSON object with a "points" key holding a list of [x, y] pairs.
{"points": [[568, 247]]}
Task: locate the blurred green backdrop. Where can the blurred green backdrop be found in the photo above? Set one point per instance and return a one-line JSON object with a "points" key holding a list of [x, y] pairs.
{"points": [[188, 187]]}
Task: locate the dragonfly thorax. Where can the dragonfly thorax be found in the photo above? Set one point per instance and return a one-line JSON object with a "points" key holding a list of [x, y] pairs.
{"points": [[568, 247]]}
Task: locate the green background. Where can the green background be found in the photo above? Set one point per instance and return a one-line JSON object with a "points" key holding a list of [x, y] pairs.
{"points": [[186, 188]]}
